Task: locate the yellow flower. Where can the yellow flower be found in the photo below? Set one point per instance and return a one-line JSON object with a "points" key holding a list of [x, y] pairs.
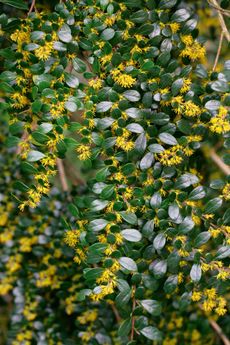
{"points": [[119, 238], [183, 253], [215, 232], [72, 237], [3, 218], [123, 79], [169, 157], [186, 85], [210, 293], [196, 296], [193, 49], [44, 52], [219, 124], [109, 21], [96, 84], [174, 27], [223, 275], [84, 152], [88, 316], [123, 143], [106, 58], [20, 100], [226, 191], [191, 109], [187, 39]]}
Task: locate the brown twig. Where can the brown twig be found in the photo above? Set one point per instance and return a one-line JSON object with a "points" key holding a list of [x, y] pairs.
{"points": [[224, 11], [217, 329], [24, 137], [219, 332], [32, 6], [117, 316], [69, 68], [218, 51], [221, 20], [224, 167], [62, 175], [133, 317]]}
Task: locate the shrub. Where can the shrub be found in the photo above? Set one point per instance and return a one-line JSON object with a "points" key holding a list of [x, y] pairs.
{"points": [[140, 253]]}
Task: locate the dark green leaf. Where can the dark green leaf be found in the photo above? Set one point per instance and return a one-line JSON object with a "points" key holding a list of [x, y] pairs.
{"points": [[152, 306], [151, 333], [16, 3], [213, 205], [202, 238], [168, 138], [130, 218]]}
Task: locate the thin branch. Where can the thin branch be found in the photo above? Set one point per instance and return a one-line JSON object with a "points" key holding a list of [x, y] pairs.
{"points": [[219, 332], [69, 68], [217, 329], [62, 175], [224, 167], [221, 19], [32, 6], [133, 317], [24, 137], [224, 11], [117, 316], [218, 51]]}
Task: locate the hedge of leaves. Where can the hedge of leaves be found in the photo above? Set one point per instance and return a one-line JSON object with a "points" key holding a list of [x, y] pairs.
{"points": [[139, 254]]}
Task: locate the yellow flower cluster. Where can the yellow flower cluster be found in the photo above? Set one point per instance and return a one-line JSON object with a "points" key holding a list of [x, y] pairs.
{"points": [[171, 155], [48, 277], [196, 296], [219, 123], [123, 79], [188, 108], [23, 337], [44, 52], [84, 152], [226, 191], [72, 237], [28, 311], [96, 84], [6, 285], [20, 101], [186, 85], [193, 49], [26, 243], [57, 110], [88, 316], [174, 27], [123, 143], [211, 301]]}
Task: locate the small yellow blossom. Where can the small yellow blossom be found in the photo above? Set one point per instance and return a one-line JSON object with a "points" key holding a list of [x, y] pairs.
{"points": [[123, 79], [174, 27], [44, 52], [196, 296], [96, 84], [84, 152]]}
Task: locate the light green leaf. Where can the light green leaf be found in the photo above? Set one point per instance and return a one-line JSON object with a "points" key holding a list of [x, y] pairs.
{"points": [[128, 263], [131, 235], [34, 156]]}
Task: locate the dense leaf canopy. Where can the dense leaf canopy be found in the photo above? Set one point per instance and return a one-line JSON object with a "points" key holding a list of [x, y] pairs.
{"points": [[137, 250]]}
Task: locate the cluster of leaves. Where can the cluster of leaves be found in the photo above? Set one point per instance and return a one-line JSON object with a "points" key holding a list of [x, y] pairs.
{"points": [[143, 251]]}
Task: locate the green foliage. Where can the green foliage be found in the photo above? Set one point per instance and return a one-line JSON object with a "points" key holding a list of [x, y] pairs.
{"points": [[139, 253]]}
